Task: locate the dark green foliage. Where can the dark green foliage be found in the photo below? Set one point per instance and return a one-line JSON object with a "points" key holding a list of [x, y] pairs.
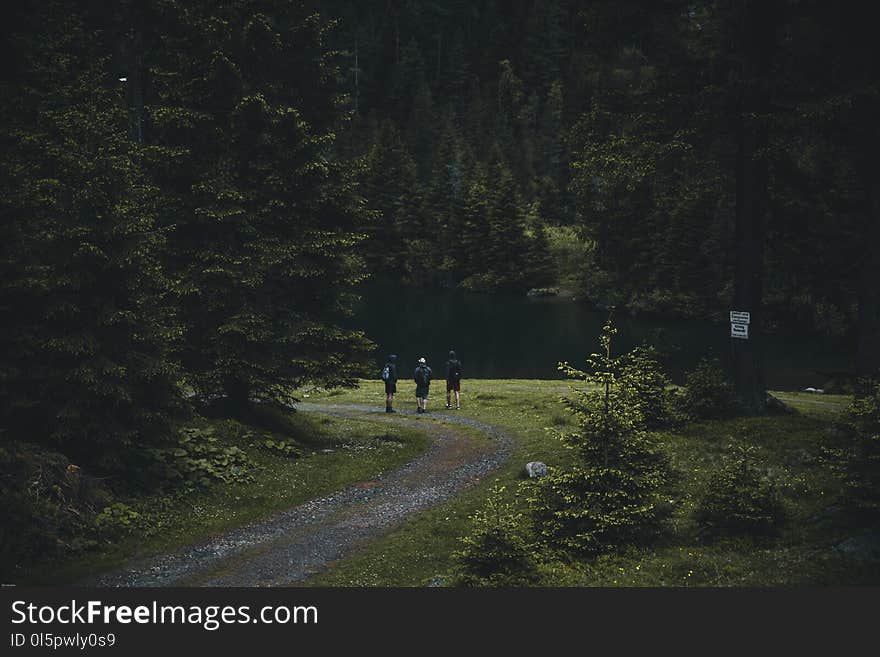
{"points": [[499, 251], [116, 521], [739, 500], [609, 497], [282, 447], [708, 393], [264, 220], [623, 120], [392, 185], [646, 386], [497, 551], [173, 217], [201, 459], [587, 511], [85, 335], [855, 455]]}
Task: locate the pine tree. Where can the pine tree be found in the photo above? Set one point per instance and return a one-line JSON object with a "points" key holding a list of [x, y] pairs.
{"points": [[421, 130], [551, 158], [509, 106], [608, 497], [85, 333], [544, 46], [391, 184], [455, 73], [506, 240], [409, 76], [264, 218]]}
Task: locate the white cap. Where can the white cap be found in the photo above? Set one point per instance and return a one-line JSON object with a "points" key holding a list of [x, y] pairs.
{"points": [[422, 359]]}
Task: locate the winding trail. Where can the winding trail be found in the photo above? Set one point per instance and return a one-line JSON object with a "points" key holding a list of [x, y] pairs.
{"points": [[293, 545]]}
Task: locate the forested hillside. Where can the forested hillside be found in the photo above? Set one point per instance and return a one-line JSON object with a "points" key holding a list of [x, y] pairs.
{"points": [[175, 227], [606, 135]]}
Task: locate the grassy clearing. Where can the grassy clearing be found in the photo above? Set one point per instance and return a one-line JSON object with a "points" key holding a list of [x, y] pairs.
{"points": [[419, 551], [788, 448], [339, 452]]}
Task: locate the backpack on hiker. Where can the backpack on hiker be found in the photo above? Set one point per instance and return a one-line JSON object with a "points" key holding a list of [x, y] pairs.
{"points": [[386, 372], [421, 375], [455, 370]]}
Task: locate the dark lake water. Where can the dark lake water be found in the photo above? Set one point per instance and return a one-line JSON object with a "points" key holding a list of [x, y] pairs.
{"points": [[507, 336]]}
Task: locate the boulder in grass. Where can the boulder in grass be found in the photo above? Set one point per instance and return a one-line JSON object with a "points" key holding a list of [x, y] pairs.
{"points": [[536, 469]]}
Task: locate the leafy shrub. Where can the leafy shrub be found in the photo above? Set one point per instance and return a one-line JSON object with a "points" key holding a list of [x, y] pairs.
{"points": [[497, 550], [283, 447], [707, 393], [116, 521], [610, 496], [200, 458], [739, 500]]}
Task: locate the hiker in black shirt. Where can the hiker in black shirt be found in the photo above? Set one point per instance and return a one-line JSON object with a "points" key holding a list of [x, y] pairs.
{"points": [[453, 380], [422, 377], [389, 376]]}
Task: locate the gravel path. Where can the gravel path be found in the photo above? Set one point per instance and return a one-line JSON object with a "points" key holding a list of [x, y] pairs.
{"points": [[295, 544]]}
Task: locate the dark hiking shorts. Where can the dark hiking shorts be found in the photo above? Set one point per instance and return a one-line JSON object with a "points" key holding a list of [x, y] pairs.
{"points": [[390, 388], [453, 385], [421, 391]]}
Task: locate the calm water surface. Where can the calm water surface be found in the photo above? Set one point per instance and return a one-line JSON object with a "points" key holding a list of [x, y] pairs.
{"points": [[507, 336]]}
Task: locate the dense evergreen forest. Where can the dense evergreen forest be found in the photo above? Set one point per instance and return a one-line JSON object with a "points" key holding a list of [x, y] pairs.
{"points": [[608, 136], [193, 191]]}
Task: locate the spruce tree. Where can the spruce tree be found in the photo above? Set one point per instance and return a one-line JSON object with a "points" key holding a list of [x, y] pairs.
{"points": [[391, 183], [85, 333], [609, 496], [506, 241], [263, 218]]}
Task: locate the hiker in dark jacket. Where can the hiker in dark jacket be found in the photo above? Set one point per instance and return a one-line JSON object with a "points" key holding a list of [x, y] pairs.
{"points": [[389, 376], [453, 380], [422, 377]]}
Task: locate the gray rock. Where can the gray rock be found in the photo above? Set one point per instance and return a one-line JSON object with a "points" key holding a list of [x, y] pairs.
{"points": [[536, 469]]}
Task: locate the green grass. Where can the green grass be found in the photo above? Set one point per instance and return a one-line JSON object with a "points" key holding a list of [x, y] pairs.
{"points": [[787, 447], [813, 404], [342, 451], [419, 551]]}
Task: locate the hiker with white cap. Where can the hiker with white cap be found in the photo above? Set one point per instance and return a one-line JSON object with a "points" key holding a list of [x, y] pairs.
{"points": [[422, 376]]}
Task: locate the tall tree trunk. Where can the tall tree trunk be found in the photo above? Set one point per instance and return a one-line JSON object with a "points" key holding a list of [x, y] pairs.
{"points": [[756, 35], [751, 180], [867, 363], [237, 397]]}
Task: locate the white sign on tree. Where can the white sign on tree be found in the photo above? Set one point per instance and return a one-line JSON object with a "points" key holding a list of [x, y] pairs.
{"points": [[739, 331], [739, 324]]}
